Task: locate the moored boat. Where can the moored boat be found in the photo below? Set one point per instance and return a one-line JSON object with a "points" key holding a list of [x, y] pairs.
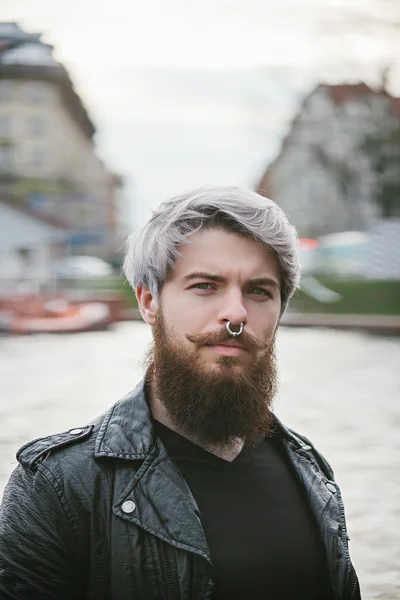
{"points": [[38, 315]]}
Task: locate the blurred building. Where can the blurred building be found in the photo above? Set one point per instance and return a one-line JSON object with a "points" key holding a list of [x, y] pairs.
{"points": [[321, 177], [29, 243], [48, 162]]}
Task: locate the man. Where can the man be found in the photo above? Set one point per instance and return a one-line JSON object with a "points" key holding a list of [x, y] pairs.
{"points": [[189, 487]]}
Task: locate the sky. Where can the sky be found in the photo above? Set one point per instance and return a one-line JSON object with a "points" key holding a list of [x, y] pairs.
{"points": [[191, 92]]}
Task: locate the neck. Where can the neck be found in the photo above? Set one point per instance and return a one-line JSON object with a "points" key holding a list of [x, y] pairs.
{"points": [[227, 452]]}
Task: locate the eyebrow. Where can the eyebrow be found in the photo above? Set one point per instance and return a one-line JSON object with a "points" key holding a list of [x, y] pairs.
{"points": [[267, 281]]}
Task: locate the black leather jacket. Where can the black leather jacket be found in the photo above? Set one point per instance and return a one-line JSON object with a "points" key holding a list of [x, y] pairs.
{"points": [[101, 512]]}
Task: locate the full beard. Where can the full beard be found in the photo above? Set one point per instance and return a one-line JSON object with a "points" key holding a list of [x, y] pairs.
{"points": [[213, 407]]}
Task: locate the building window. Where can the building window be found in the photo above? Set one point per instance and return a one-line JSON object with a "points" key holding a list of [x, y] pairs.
{"points": [[6, 159], [35, 91], [37, 157], [5, 125], [6, 91], [35, 125]]}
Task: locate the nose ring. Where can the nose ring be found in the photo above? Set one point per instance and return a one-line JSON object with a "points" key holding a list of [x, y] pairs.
{"points": [[234, 333]]}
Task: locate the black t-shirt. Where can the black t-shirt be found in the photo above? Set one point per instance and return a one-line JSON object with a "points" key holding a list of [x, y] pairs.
{"points": [[263, 541]]}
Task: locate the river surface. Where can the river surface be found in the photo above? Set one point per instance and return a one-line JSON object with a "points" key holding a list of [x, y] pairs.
{"points": [[341, 389]]}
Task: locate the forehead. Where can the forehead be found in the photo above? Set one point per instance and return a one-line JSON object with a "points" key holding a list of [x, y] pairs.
{"points": [[225, 253]]}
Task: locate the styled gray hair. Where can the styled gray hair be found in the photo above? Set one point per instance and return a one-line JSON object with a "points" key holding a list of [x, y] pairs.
{"points": [[151, 251]]}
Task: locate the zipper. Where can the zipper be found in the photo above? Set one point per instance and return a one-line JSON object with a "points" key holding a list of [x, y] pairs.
{"points": [[354, 587], [344, 531], [166, 571]]}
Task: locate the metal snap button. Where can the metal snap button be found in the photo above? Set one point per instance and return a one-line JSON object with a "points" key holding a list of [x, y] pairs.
{"points": [[331, 487], [76, 431], [128, 506]]}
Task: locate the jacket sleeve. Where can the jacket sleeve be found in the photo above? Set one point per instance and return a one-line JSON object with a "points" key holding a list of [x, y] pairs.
{"points": [[38, 548]]}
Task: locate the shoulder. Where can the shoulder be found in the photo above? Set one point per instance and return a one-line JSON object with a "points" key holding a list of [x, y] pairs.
{"points": [[76, 447], [61, 466], [32, 454]]}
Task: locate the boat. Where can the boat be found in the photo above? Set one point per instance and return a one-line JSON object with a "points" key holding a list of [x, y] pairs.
{"points": [[36, 314]]}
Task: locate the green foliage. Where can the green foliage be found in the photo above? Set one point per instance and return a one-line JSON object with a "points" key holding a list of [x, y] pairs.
{"points": [[358, 297], [383, 151], [127, 292], [114, 284]]}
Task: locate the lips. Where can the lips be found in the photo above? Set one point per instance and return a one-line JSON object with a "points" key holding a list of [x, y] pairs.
{"points": [[229, 344], [228, 349]]}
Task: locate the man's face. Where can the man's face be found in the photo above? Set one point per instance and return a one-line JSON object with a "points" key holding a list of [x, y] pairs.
{"points": [[216, 387], [219, 277]]}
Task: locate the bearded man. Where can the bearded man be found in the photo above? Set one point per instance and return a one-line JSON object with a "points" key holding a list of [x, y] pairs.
{"points": [[189, 487]]}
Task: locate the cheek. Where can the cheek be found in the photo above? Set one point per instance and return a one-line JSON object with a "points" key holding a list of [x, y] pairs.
{"points": [[187, 310], [178, 320], [264, 321]]}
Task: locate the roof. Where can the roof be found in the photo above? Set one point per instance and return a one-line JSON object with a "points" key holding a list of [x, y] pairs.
{"points": [[13, 39], [27, 211], [11, 30], [342, 93]]}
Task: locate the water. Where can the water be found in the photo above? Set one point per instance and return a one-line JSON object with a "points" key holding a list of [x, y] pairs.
{"points": [[341, 389]]}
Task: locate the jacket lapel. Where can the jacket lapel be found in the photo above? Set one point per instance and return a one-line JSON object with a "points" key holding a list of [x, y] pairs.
{"points": [[322, 495], [164, 504], [162, 501]]}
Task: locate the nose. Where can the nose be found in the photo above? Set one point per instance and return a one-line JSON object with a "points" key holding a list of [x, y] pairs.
{"points": [[233, 309]]}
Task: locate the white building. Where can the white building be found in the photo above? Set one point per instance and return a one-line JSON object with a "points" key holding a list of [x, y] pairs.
{"points": [[28, 245], [320, 178]]}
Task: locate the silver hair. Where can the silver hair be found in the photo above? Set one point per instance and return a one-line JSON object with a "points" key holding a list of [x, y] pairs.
{"points": [[151, 252]]}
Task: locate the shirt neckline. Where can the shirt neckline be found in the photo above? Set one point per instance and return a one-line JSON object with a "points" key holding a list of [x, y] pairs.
{"points": [[173, 440]]}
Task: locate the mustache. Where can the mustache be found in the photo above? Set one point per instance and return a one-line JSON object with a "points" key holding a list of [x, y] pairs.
{"points": [[212, 338]]}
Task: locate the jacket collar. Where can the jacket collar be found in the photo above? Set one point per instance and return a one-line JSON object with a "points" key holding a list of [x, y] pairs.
{"points": [[127, 431]]}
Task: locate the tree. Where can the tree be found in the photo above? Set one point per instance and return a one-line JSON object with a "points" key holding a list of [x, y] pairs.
{"points": [[383, 151], [345, 176]]}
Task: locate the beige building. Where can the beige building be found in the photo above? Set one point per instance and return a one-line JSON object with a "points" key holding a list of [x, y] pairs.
{"points": [[47, 154]]}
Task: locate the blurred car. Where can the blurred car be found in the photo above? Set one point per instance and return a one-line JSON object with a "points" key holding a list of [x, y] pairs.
{"points": [[81, 267], [344, 254], [308, 254], [341, 254]]}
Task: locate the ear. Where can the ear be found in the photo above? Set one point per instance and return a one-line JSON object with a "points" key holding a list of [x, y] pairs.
{"points": [[147, 304]]}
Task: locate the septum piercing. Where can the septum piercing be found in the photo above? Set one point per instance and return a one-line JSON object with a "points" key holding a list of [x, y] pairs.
{"points": [[234, 333]]}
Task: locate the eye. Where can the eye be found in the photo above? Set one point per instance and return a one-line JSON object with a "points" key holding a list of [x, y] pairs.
{"points": [[203, 286], [260, 292]]}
